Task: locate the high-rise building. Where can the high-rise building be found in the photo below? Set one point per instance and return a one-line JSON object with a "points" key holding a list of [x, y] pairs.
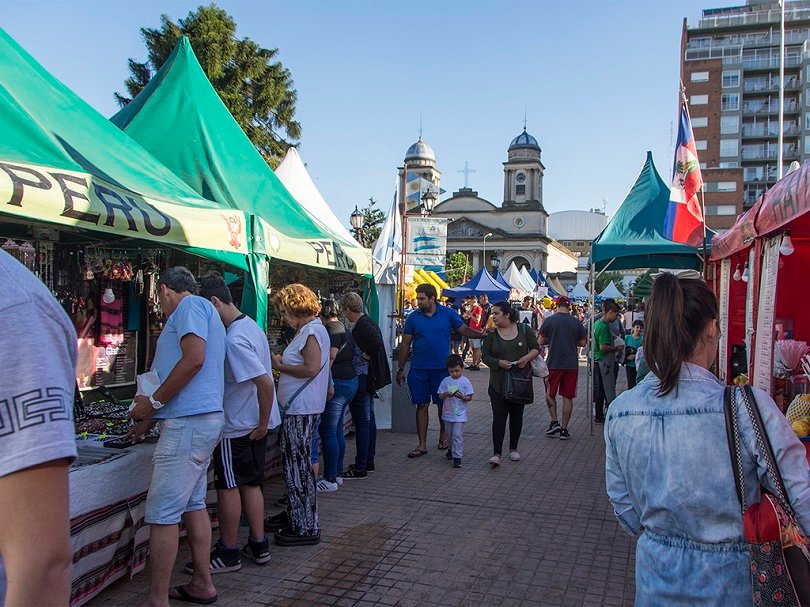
{"points": [[730, 69]]}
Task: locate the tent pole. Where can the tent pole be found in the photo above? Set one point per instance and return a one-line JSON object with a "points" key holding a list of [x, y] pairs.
{"points": [[589, 348], [705, 257], [403, 184]]}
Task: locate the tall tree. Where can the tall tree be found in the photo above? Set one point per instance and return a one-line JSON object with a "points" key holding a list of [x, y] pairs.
{"points": [[255, 87], [605, 278], [458, 268], [373, 220]]}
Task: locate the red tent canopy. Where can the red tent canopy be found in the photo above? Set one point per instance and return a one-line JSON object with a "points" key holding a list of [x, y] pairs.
{"points": [[738, 236]]}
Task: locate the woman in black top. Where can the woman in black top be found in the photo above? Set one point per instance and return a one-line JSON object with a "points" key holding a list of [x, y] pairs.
{"points": [[344, 378]]}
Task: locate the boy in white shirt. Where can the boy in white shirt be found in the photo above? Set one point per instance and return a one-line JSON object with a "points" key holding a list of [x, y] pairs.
{"points": [[455, 391]]}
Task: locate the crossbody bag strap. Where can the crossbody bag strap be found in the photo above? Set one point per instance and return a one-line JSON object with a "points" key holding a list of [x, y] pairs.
{"points": [[733, 436], [764, 444], [302, 388]]}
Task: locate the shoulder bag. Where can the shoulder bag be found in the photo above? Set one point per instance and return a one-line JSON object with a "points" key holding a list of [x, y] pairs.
{"points": [[517, 383], [780, 560], [285, 406]]}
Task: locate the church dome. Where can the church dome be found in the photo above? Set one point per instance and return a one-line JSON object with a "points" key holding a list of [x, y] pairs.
{"points": [[524, 140], [420, 151]]}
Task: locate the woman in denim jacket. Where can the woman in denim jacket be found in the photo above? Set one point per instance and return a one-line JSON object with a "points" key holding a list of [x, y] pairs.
{"points": [[668, 466]]}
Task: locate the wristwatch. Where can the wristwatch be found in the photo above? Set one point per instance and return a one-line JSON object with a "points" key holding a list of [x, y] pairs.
{"points": [[156, 404]]}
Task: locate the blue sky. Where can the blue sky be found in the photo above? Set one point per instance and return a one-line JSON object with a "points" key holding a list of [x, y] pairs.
{"points": [[599, 81]]}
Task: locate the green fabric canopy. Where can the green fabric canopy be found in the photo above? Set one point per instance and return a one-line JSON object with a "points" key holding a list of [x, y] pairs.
{"points": [[634, 237], [180, 118], [63, 163]]}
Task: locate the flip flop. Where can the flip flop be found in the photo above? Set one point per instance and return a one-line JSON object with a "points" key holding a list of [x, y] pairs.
{"points": [[443, 444], [183, 595], [417, 453]]}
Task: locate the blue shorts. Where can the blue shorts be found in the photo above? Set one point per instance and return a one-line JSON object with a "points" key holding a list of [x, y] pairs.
{"points": [[180, 466], [424, 385]]}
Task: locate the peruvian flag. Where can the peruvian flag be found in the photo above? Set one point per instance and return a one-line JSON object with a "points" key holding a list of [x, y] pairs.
{"points": [[684, 221]]}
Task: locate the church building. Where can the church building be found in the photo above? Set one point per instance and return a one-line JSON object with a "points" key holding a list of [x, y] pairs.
{"points": [[516, 229]]}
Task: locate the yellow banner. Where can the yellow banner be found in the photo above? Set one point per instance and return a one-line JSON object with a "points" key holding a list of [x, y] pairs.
{"points": [[81, 200], [323, 253]]}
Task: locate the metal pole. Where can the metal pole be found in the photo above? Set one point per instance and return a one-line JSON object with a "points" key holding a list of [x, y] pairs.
{"points": [[484, 259], [589, 346], [781, 139], [404, 241]]}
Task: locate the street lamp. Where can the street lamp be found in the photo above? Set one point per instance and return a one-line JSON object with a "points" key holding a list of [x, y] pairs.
{"points": [[484, 258], [495, 262], [429, 199], [356, 219]]}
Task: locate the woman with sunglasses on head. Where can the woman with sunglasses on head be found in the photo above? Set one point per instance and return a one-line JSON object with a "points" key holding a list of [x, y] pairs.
{"points": [[668, 465]]}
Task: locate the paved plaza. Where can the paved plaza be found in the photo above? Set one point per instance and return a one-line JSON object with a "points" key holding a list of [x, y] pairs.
{"points": [[419, 532]]}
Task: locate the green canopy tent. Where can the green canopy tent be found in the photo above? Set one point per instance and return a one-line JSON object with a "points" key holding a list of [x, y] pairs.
{"points": [[62, 163], [212, 154]]}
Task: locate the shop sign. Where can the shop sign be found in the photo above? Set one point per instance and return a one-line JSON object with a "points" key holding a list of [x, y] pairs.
{"points": [[427, 242], [84, 201], [787, 199]]}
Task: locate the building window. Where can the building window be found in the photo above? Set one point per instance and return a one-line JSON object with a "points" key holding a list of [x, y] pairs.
{"points": [[699, 122], [726, 186], [699, 100], [731, 79], [700, 76], [729, 147], [753, 173], [807, 121], [580, 243], [730, 101], [729, 165], [700, 144], [807, 144], [721, 209], [703, 166], [729, 125], [520, 190]]}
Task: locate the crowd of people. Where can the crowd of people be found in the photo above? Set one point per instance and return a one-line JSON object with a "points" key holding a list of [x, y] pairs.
{"points": [[217, 400]]}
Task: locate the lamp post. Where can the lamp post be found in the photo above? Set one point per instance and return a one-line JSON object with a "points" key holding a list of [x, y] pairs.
{"points": [[429, 199], [356, 219], [495, 262], [484, 258]]}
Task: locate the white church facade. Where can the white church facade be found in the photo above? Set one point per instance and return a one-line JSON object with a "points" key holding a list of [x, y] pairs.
{"points": [[516, 229]]}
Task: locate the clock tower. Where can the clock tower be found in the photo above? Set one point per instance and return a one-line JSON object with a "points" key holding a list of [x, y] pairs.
{"points": [[523, 172]]}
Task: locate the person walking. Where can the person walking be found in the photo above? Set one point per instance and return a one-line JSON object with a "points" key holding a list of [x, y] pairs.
{"points": [[302, 388], [373, 373], [455, 391], [632, 343], [344, 378], [428, 329], [669, 472], [251, 409], [604, 355], [512, 343], [476, 324], [37, 441], [189, 362], [564, 335]]}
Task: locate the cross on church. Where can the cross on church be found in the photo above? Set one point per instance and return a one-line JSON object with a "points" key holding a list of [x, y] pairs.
{"points": [[467, 170]]}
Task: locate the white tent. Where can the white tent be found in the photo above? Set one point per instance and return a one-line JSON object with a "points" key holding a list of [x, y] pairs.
{"points": [[612, 292], [293, 174], [579, 292], [515, 278], [527, 278]]}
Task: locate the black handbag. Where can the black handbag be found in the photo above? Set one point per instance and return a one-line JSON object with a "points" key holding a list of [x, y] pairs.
{"points": [[517, 385]]}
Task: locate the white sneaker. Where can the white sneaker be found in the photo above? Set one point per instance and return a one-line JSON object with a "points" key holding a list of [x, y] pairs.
{"points": [[495, 460], [339, 480], [514, 456], [324, 486]]}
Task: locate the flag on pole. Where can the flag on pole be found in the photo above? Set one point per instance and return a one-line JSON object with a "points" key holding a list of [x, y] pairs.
{"points": [[388, 248], [416, 187], [684, 220]]}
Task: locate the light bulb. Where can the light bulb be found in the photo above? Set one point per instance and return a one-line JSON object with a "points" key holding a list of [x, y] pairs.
{"points": [[108, 296], [786, 248], [745, 273], [737, 274]]}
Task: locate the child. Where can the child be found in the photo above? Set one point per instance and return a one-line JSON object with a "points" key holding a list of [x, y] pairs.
{"points": [[456, 391], [632, 344]]}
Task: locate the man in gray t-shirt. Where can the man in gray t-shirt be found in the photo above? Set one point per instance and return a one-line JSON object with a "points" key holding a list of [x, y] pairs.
{"points": [[37, 439]]}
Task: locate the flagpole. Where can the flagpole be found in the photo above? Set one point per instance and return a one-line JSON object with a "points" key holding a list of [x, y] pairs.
{"points": [[705, 251], [404, 229]]}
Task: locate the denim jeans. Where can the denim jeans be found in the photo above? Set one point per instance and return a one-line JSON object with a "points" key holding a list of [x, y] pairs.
{"points": [[365, 426], [333, 441]]}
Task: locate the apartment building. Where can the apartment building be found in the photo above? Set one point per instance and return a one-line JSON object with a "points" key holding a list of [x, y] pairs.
{"points": [[730, 69]]}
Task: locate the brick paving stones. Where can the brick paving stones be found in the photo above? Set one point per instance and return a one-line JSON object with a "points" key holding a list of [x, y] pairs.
{"points": [[419, 532]]}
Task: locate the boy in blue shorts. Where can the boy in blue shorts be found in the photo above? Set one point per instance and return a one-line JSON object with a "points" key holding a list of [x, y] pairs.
{"points": [[455, 391]]}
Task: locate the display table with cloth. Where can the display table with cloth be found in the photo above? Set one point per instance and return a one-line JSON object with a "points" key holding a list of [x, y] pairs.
{"points": [[108, 535]]}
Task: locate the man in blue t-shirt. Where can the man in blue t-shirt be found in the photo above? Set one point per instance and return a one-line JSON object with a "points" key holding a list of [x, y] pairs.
{"points": [[189, 362], [428, 329]]}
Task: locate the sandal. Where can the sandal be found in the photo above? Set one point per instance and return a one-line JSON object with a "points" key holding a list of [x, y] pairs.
{"points": [[443, 444], [417, 453], [183, 595]]}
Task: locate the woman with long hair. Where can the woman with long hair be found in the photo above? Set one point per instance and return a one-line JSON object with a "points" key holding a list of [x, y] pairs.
{"points": [[669, 471], [302, 388], [512, 343]]}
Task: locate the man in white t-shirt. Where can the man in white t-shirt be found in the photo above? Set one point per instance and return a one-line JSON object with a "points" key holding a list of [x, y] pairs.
{"points": [[37, 440], [251, 409]]}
